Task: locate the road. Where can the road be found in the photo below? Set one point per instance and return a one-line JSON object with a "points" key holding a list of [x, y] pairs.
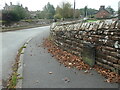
{"points": [[0, 59], [10, 42]]}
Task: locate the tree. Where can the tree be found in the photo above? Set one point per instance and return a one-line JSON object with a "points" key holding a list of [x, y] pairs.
{"points": [[49, 11], [90, 12], [20, 12], [58, 13], [64, 11], [82, 12], [110, 9], [8, 17], [57, 16], [15, 14], [41, 15], [77, 13]]}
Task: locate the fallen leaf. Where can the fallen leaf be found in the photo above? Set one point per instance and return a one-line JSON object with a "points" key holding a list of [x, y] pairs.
{"points": [[50, 73]]}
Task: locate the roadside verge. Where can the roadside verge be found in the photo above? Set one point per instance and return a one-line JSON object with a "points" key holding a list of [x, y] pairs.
{"points": [[15, 80], [22, 27], [20, 69]]}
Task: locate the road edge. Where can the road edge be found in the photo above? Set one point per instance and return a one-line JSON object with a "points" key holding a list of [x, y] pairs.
{"points": [[21, 64], [22, 28]]}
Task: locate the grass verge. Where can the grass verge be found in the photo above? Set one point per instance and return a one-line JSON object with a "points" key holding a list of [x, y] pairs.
{"points": [[13, 79], [21, 27], [92, 20]]}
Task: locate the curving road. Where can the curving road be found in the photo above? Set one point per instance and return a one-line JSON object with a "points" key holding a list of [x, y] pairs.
{"points": [[10, 43]]}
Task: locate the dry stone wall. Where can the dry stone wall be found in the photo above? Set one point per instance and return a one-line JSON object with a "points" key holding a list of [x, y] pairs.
{"points": [[104, 36]]}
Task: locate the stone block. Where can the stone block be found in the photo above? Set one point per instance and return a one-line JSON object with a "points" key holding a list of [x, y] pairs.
{"points": [[101, 25], [88, 54], [113, 25]]}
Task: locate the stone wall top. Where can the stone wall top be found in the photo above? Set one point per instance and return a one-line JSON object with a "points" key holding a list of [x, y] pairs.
{"points": [[82, 25]]}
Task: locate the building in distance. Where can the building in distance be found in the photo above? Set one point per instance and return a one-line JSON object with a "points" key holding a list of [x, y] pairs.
{"points": [[102, 13]]}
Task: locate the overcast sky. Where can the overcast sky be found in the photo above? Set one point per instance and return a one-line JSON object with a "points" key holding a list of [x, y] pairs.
{"points": [[39, 4]]}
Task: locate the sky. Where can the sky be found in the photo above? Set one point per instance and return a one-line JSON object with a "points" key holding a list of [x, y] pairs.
{"points": [[34, 5]]}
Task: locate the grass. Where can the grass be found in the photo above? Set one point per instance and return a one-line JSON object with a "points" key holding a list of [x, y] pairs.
{"points": [[20, 50], [12, 82], [24, 47], [92, 20], [1, 21]]}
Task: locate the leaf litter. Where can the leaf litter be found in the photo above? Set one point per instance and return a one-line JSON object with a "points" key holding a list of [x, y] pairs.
{"points": [[69, 60]]}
